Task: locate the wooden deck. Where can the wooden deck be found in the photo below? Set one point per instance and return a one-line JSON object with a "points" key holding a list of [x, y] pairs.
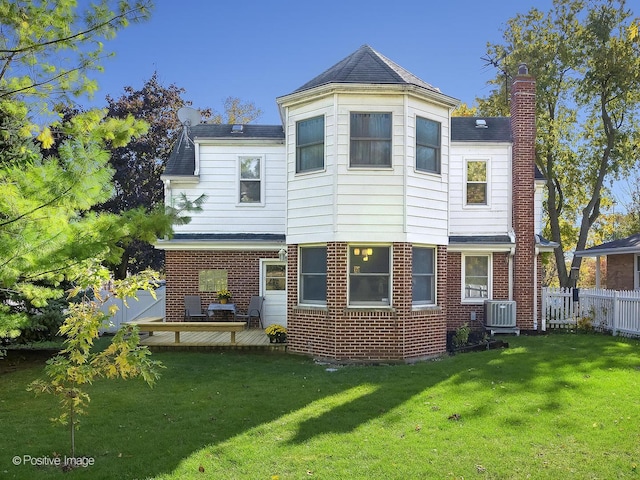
{"points": [[246, 339]]}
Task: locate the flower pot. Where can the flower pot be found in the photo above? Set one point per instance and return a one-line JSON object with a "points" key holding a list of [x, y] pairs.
{"points": [[223, 300]]}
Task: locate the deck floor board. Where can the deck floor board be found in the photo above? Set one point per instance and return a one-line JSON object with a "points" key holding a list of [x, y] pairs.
{"points": [[252, 338]]}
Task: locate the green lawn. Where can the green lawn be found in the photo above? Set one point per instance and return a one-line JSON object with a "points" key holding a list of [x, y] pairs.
{"points": [[558, 406]]}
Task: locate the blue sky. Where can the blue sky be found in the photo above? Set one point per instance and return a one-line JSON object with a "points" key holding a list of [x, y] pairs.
{"points": [[258, 50]]}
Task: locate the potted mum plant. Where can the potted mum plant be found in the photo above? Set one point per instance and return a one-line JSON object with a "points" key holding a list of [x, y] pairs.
{"points": [[276, 333], [224, 295]]}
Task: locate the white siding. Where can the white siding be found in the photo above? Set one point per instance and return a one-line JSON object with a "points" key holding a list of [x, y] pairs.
{"points": [[310, 196], [341, 203], [427, 193], [219, 181], [491, 219], [370, 201]]}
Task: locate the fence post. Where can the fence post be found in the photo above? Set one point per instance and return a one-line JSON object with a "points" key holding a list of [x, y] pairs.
{"points": [[616, 312]]}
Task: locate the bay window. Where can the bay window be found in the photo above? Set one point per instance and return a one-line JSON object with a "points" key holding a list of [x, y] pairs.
{"points": [[427, 145], [310, 144], [369, 275], [313, 275], [423, 276], [370, 140]]}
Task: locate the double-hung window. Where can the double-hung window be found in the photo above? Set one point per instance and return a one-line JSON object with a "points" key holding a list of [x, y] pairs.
{"points": [[476, 182], [310, 144], [476, 272], [369, 275], [423, 276], [313, 275], [250, 180], [427, 145], [370, 140]]}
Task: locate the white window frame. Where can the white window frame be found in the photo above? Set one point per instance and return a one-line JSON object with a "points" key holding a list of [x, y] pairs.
{"points": [[434, 275], [437, 148], [239, 180], [369, 304], [299, 147], [301, 301], [351, 139], [488, 183], [463, 278], [636, 272]]}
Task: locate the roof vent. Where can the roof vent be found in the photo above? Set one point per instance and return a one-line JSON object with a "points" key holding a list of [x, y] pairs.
{"points": [[237, 128], [480, 123]]}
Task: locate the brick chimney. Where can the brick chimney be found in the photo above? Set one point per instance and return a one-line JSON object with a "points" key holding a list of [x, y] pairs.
{"points": [[523, 132]]}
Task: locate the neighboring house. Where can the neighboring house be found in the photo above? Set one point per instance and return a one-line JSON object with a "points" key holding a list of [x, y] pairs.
{"points": [[371, 220], [623, 262]]}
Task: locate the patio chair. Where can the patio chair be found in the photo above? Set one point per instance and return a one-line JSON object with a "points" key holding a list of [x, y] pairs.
{"points": [[193, 308], [254, 310]]}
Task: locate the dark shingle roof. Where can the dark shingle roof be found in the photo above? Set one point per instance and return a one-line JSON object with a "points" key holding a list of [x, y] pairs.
{"points": [[630, 244], [465, 129], [365, 65], [230, 237], [182, 158], [498, 129], [480, 240]]}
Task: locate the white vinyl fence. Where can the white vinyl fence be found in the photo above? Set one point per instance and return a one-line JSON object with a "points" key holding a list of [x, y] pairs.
{"points": [[615, 311], [145, 306]]}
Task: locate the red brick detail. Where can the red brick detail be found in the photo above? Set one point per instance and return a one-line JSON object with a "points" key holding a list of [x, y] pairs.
{"points": [[620, 272], [183, 266], [523, 130], [340, 333]]}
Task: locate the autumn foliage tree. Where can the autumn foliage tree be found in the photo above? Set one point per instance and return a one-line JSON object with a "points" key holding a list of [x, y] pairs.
{"points": [[586, 60]]}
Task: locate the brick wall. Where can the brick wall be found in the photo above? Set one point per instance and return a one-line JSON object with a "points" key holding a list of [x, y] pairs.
{"points": [[523, 129], [340, 333], [458, 313], [182, 268], [620, 270]]}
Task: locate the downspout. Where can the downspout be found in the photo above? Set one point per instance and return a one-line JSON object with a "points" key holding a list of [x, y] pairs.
{"points": [[405, 166], [167, 197], [512, 252], [196, 170], [535, 291], [405, 228]]}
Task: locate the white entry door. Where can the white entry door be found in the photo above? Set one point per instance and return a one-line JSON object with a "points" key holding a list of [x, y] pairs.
{"points": [[273, 287]]}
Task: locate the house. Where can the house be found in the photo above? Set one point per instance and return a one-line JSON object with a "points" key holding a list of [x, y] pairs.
{"points": [[623, 262], [371, 220]]}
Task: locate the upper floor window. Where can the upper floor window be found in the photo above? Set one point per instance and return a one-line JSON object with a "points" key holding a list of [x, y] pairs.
{"points": [[427, 145], [250, 180], [369, 275], [476, 272], [310, 144], [313, 275], [423, 276], [370, 140], [476, 182]]}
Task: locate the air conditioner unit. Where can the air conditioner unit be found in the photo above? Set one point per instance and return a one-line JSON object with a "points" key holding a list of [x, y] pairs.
{"points": [[500, 314]]}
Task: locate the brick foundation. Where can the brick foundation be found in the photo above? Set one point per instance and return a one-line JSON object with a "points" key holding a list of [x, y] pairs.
{"points": [[342, 333]]}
